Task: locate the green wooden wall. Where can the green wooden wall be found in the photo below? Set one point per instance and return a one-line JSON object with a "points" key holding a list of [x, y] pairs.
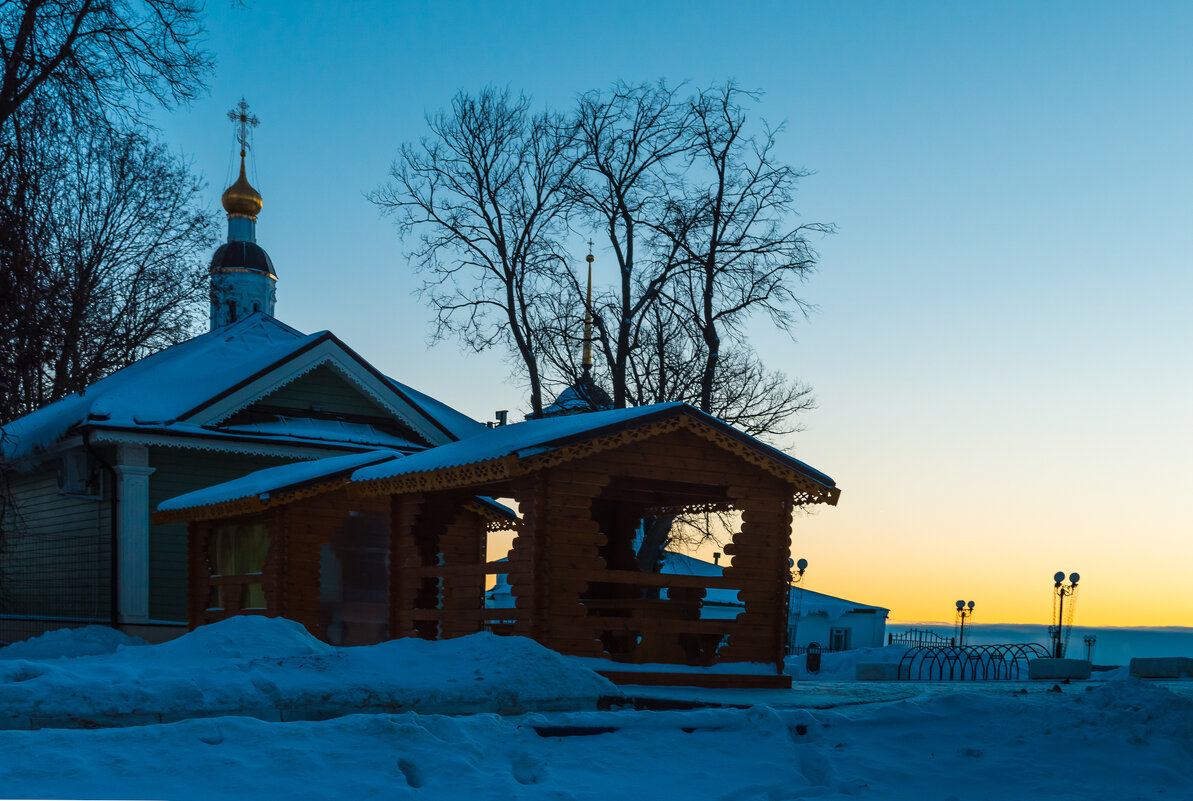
{"points": [[324, 389], [178, 471], [55, 559]]}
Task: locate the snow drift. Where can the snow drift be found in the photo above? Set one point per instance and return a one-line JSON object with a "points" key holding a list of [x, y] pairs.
{"points": [[274, 669]]}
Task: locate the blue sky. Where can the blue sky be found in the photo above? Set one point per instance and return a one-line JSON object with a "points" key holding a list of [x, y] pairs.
{"points": [[1001, 348]]}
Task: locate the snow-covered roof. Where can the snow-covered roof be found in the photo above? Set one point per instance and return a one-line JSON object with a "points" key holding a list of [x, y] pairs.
{"points": [[337, 431], [497, 445], [518, 439], [675, 563], [460, 425], [532, 437], [276, 479], [585, 395], [291, 478], [161, 387], [817, 602], [172, 389]]}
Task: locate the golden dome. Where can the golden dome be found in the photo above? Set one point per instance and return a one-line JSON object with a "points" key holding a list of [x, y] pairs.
{"points": [[240, 197]]}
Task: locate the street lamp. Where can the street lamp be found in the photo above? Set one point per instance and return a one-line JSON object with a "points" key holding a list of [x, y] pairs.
{"points": [[796, 578], [1062, 591], [963, 611]]}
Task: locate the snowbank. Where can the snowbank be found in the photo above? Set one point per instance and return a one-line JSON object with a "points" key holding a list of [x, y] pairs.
{"points": [[244, 637], [842, 665], [274, 669], [61, 643]]}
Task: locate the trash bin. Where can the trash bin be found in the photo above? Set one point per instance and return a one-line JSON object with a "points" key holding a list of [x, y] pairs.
{"points": [[813, 658]]}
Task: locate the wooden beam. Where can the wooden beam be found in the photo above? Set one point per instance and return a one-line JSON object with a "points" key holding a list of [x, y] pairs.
{"points": [[468, 615], [650, 625], [651, 579]]}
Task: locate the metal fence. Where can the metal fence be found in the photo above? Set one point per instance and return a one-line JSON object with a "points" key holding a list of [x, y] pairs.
{"points": [[969, 663], [922, 638]]}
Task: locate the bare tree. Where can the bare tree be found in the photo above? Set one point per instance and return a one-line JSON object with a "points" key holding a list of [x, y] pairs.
{"points": [[630, 138], [730, 225], [696, 209], [488, 195], [100, 59], [102, 244]]}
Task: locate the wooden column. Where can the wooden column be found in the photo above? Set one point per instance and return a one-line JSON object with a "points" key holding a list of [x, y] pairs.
{"points": [[462, 594], [525, 575], [403, 563], [198, 571], [572, 543], [760, 552], [272, 584], [308, 525]]}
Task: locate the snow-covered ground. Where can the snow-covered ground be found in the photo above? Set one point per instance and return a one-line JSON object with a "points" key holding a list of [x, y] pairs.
{"points": [[1108, 739]]}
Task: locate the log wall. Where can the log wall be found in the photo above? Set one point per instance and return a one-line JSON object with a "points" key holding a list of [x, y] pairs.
{"points": [[559, 565], [438, 566]]}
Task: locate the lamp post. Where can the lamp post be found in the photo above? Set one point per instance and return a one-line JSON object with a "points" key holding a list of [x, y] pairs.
{"points": [[963, 611], [1090, 639], [1062, 591], [796, 578]]}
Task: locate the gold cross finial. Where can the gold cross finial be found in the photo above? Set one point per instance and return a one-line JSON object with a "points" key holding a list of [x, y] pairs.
{"points": [[244, 121]]}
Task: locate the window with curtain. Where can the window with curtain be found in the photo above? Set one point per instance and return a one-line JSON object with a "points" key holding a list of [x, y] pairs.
{"points": [[238, 549]]}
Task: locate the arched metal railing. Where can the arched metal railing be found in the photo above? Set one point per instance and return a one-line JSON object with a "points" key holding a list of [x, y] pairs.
{"points": [[970, 663]]}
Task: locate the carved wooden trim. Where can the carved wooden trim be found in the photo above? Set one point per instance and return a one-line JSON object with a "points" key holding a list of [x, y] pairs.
{"points": [[504, 468]]}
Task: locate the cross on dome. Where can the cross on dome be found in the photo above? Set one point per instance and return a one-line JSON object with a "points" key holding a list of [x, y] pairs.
{"points": [[244, 121]]}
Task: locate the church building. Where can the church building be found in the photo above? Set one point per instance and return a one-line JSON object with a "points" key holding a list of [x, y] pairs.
{"points": [[84, 473]]}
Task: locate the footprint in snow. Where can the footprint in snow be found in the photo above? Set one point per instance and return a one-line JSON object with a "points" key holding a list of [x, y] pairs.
{"points": [[411, 772], [214, 735], [528, 769]]}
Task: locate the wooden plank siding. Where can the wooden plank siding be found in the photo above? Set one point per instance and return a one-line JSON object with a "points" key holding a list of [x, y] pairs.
{"points": [[56, 556]]}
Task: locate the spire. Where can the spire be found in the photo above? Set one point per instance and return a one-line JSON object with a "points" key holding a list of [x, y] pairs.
{"points": [[586, 358], [584, 395], [242, 278], [240, 199]]}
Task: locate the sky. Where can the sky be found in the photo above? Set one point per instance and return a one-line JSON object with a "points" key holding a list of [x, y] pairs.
{"points": [[1000, 347]]}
